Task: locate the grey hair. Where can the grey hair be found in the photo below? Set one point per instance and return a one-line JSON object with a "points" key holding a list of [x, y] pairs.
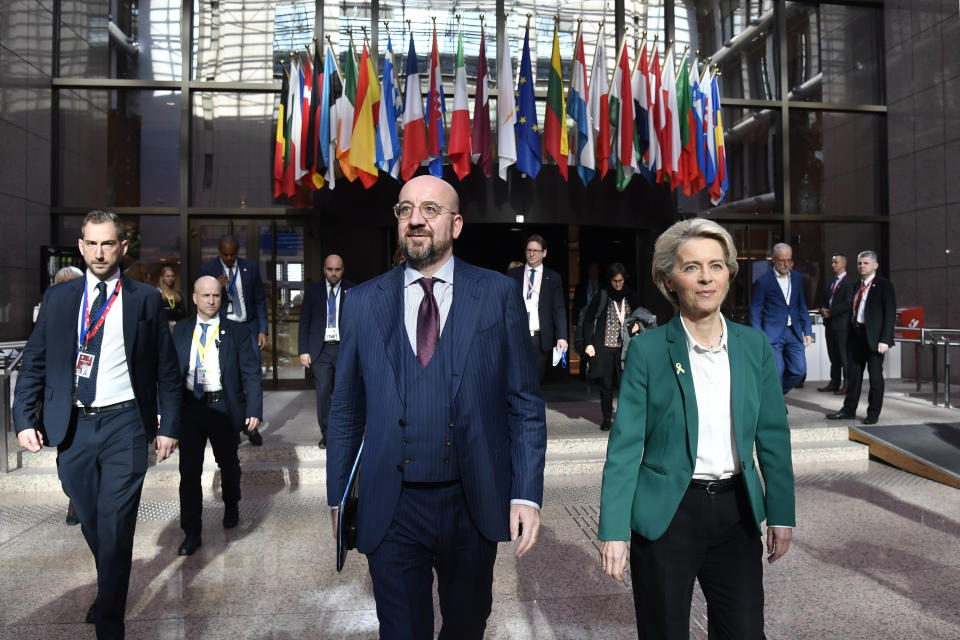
{"points": [[67, 273], [868, 254], [665, 250], [780, 247], [99, 217]]}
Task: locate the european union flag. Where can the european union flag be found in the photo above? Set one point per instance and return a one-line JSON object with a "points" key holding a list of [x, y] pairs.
{"points": [[528, 133]]}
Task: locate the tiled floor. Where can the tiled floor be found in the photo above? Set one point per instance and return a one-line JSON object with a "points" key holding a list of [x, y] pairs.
{"points": [[876, 555]]}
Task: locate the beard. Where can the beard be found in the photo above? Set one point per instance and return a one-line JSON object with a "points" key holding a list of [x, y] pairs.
{"points": [[420, 256]]}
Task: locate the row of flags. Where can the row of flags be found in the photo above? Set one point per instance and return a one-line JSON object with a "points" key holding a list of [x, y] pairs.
{"points": [[648, 118]]}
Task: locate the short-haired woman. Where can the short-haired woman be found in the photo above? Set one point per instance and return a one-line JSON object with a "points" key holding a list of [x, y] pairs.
{"points": [[699, 396]]}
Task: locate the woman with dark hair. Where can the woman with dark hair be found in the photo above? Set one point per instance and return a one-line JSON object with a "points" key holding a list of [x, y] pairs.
{"points": [[611, 319], [174, 305]]}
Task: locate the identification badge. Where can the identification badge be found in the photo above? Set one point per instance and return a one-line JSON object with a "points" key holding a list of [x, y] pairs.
{"points": [[202, 375], [85, 364], [333, 334], [531, 305]]}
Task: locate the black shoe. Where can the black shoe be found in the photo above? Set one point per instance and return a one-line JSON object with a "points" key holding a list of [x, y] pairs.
{"points": [[190, 544], [255, 438], [323, 442], [92, 614], [840, 415], [71, 518], [605, 425], [871, 419], [231, 515]]}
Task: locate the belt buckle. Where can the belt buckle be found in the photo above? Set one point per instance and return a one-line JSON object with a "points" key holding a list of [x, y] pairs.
{"points": [[709, 487]]}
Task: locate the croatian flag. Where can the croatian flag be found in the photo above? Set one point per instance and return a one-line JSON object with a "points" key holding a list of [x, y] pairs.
{"points": [[436, 113]]}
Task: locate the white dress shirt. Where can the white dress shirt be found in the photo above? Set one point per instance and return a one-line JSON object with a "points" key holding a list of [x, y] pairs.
{"points": [[413, 296], [710, 367], [211, 364], [333, 324], [531, 295], [113, 376], [239, 311], [784, 282], [863, 300]]}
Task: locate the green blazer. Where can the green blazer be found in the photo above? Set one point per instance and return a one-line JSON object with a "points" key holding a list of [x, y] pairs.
{"points": [[653, 444]]}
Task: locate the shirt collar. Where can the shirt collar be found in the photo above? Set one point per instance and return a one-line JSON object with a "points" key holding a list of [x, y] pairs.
{"points": [[336, 287], [867, 281], [93, 280], [210, 323], [224, 264], [444, 273], [781, 277], [693, 345]]}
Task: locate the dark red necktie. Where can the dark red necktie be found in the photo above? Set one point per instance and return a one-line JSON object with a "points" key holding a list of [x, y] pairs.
{"points": [[428, 323]]}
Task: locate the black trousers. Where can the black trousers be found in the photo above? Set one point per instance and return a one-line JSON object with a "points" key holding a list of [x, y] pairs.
{"points": [[432, 530], [713, 539], [323, 369], [837, 337], [101, 465], [541, 356], [607, 363], [860, 356], [203, 421]]}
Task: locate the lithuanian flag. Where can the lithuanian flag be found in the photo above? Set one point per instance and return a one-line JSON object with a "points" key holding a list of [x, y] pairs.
{"points": [[555, 133]]}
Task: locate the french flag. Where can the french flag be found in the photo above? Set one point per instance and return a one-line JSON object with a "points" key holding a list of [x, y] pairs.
{"points": [[414, 133]]}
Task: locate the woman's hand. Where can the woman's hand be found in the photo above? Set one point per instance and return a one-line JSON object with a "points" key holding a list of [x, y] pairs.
{"points": [[590, 351], [613, 558]]}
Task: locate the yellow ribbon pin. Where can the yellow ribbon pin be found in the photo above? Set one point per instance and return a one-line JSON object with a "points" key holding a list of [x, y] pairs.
{"points": [[679, 369]]}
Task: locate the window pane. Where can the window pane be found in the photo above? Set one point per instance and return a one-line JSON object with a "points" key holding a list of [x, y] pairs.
{"points": [[814, 243], [100, 39], [244, 41], [834, 53], [836, 163], [119, 148], [752, 146], [738, 36], [232, 149]]}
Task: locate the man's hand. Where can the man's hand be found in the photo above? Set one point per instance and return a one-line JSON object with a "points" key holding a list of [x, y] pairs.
{"points": [[613, 558], [807, 341], [334, 517], [525, 524], [778, 541], [882, 347], [222, 279], [30, 439], [562, 345], [165, 447], [305, 360], [590, 351], [261, 340], [251, 423]]}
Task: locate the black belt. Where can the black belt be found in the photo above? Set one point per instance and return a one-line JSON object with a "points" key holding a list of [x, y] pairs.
{"points": [[209, 397], [714, 487], [91, 411], [431, 485], [331, 342]]}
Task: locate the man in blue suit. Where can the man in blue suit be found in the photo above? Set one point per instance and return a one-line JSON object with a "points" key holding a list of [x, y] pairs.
{"points": [[434, 357], [243, 298], [97, 370], [221, 374], [779, 309]]}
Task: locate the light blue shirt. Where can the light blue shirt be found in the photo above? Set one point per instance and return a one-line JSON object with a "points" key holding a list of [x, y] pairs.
{"points": [[413, 296]]}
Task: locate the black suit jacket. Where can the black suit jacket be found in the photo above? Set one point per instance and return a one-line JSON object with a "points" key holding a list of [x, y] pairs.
{"points": [[313, 316], [880, 314], [44, 394], [239, 368], [839, 303], [552, 310]]}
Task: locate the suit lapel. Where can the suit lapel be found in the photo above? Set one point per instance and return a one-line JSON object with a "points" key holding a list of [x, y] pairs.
{"points": [[73, 301], [462, 321], [680, 367], [387, 305], [183, 342], [737, 383], [131, 310]]}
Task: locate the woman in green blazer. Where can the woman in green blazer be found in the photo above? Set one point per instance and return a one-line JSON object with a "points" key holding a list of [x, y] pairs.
{"points": [[699, 396]]}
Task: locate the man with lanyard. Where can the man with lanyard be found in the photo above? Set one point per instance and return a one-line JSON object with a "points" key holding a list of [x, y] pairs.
{"points": [[98, 370], [244, 300], [221, 373], [319, 335]]}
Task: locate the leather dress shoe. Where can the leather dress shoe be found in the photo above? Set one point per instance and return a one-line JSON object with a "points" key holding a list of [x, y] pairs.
{"points": [[71, 518], [231, 515], [605, 425], [190, 544], [828, 387], [255, 438], [842, 391], [323, 442], [871, 420], [91, 614], [840, 415]]}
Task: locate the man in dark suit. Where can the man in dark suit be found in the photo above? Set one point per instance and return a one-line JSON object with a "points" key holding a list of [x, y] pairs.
{"points": [[319, 336], [835, 309], [221, 373], [779, 309], [543, 295], [434, 376], [97, 370], [243, 298], [873, 317]]}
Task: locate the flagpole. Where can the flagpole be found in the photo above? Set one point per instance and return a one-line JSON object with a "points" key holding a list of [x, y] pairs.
{"points": [[576, 42], [336, 63], [683, 56]]}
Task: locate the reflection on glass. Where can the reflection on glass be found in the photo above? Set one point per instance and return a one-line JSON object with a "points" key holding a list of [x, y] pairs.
{"points": [[833, 53], [119, 148], [835, 163], [753, 243], [815, 243], [288, 264], [738, 36], [135, 40], [752, 147]]}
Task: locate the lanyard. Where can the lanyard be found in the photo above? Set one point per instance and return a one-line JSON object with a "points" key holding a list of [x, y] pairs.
{"points": [[621, 310], [232, 288], [86, 333], [171, 300], [202, 350], [856, 303], [530, 288], [332, 306]]}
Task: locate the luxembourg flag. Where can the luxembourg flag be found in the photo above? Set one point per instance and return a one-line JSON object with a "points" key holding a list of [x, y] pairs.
{"points": [[414, 133], [436, 113], [577, 109], [391, 104]]}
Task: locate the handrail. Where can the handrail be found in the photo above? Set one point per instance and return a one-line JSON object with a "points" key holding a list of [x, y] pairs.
{"points": [[6, 393], [935, 337]]}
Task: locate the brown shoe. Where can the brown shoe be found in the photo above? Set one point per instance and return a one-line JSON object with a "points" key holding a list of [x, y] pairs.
{"points": [[828, 387], [842, 391]]}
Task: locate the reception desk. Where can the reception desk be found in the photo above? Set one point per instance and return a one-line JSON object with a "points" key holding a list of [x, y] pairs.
{"points": [[818, 362]]}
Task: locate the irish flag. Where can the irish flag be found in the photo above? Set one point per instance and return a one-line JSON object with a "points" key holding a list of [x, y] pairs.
{"points": [[621, 119], [459, 149]]}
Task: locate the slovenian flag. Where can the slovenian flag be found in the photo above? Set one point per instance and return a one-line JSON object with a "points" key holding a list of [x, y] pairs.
{"points": [[391, 105]]}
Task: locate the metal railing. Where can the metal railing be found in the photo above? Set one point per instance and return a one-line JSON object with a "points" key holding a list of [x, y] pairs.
{"points": [[934, 338], [10, 355]]}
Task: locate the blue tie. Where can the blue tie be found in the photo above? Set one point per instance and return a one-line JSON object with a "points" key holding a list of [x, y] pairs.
{"points": [[533, 276], [197, 387], [87, 387]]}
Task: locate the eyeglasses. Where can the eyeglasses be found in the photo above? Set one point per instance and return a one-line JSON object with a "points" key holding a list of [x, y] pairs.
{"points": [[534, 250], [429, 210], [617, 281]]}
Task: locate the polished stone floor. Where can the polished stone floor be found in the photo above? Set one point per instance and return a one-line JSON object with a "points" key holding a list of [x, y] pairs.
{"points": [[876, 555]]}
